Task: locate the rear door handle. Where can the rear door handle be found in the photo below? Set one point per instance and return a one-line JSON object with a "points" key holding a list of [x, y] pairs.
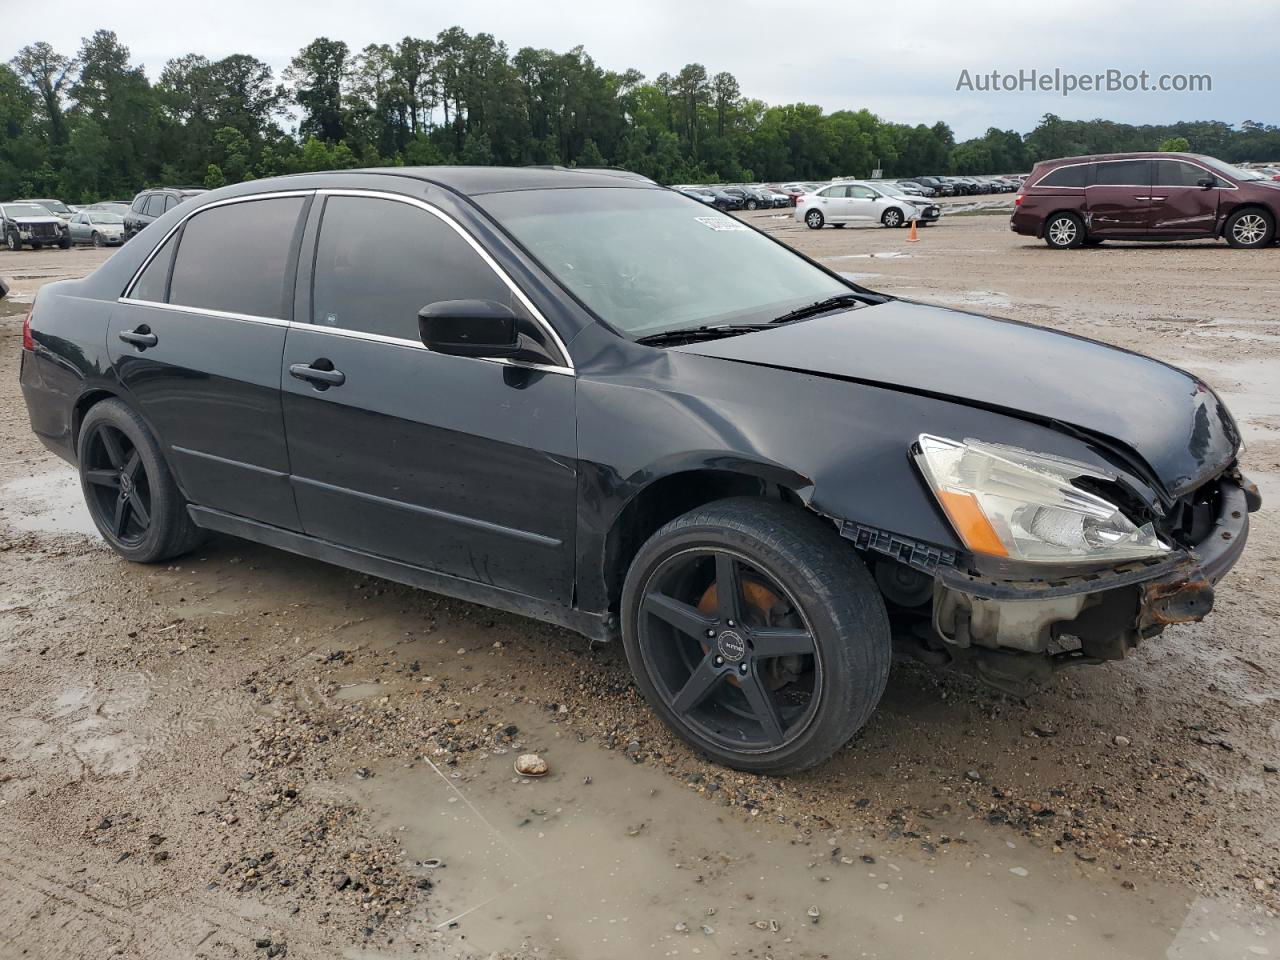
{"points": [[318, 375], [141, 337]]}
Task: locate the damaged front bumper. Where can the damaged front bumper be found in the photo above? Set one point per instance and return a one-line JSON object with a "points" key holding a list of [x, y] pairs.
{"points": [[1107, 611]]}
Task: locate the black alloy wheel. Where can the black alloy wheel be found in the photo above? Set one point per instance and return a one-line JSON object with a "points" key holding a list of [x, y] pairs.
{"points": [[729, 651], [756, 633], [132, 497], [117, 485]]}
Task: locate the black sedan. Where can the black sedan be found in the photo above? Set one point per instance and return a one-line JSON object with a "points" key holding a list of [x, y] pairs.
{"points": [[592, 400]]}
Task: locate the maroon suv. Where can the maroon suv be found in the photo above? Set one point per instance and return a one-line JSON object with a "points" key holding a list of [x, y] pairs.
{"points": [[1146, 196]]}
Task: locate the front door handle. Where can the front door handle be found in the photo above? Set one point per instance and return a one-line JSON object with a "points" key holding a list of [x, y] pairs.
{"points": [[141, 337], [319, 372]]}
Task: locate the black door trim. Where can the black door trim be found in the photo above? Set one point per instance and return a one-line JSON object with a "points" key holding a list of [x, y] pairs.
{"points": [[485, 525]]}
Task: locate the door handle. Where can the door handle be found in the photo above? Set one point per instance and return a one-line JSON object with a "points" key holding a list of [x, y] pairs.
{"points": [[1157, 199], [322, 378], [141, 337], [1142, 198]]}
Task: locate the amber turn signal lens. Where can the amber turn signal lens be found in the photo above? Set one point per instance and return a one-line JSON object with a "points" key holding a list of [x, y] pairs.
{"points": [[971, 523]]}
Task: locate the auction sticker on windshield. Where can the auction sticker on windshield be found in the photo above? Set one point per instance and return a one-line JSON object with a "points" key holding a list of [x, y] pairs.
{"points": [[721, 223]]}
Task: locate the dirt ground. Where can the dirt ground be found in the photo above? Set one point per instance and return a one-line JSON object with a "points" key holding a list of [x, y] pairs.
{"points": [[248, 754]]}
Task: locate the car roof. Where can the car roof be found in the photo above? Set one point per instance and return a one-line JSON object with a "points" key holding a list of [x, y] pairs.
{"points": [[475, 181], [1141, 155]]}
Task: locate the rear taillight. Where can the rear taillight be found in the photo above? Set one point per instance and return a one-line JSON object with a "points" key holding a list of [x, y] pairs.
{"points": [[1017, 201], [28, 342]]}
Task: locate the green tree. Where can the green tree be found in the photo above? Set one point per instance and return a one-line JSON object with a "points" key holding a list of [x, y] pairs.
{"points": [[1175, 145], [50, 75], [316, 77], [213, 178]]}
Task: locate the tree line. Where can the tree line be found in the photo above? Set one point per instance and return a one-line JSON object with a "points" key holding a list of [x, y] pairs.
{"points": [[92, 125]]}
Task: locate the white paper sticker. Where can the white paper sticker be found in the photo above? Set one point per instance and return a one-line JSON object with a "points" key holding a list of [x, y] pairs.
{"points": [[721, 223]]}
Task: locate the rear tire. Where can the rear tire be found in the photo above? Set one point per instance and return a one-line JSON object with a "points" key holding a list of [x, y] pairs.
{"points": [[785, 685], [1250, 228], [751, 205], [132, 497], [1064, 231], [814, 220]]}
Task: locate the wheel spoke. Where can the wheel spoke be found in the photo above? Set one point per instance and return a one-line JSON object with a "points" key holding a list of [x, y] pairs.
{"points": [[762, 706], [680, 615], [103, 478], [706, 675], [728, 588], [780, 642], [115, 454], [139, 508], [121, 518], [130, 468]]}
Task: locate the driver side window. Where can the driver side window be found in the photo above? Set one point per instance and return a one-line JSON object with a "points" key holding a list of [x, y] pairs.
{"points": [[378, 262]]}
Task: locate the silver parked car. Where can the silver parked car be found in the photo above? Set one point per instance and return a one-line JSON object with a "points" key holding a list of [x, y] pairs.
{"points": [[851, 201], [102, 228]]}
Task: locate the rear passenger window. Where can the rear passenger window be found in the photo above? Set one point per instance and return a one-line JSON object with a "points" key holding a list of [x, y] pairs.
{"points": [[139, 203], [378, 262], [1124, 173], [155, 205], [234, 258], [155, 278], [1073, 176], [1176, 173]]}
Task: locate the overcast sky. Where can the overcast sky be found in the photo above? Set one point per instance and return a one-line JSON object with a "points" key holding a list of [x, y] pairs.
{"points": [[904, 67]]}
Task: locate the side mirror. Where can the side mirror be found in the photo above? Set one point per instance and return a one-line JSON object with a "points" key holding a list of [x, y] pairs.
{"points": [[1206, 182], [469, 328]]}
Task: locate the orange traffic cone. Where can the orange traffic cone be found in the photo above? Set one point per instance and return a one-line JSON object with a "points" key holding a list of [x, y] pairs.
{"points": [[912, 237]]}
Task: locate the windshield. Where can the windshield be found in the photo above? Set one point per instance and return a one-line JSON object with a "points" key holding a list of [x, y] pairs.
{"points": [[26, 210], [57, 206], [106, 218], [1235, 173], [650, 261]]}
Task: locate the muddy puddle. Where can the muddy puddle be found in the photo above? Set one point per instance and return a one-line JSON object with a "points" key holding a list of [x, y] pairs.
{"points": [[47, 502], [605, 858]]}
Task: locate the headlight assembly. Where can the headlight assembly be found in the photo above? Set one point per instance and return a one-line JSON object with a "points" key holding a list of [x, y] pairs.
{"points": [[1007, 502]]}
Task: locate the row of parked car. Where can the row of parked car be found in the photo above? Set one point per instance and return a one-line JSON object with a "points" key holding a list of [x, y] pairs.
{"points": [[52, 223], [763, 196]]}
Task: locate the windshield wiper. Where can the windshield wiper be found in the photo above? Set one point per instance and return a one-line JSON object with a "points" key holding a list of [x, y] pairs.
{"points": [[709, 332], [821, 306]]}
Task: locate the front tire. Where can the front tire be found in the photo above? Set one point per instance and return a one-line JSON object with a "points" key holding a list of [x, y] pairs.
{"points": [[13, 242], [755, 632], [1250, 229], [1064, 231], [814, 220], [97, 239], [131, 495], [892, 218]]}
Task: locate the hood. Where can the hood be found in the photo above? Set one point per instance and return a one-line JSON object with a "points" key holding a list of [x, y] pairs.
{"points": [[36, 221], [1168, 417]]}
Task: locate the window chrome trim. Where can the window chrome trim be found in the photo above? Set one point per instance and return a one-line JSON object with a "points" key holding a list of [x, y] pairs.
{"points": [[1224, 185], [567, 369], [474, 244]]}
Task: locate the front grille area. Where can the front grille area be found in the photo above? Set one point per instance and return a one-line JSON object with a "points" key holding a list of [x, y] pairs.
{"points": [[44, 230], [1191, 519]]}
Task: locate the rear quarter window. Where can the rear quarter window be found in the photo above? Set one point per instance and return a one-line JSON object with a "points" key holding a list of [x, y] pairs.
{"points": [[1076, 175]]}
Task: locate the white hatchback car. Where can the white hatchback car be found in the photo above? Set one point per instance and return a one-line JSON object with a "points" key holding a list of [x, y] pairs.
{"points": [[851, 201]]}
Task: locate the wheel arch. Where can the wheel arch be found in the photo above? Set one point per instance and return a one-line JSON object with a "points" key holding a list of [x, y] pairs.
{"points": [[672, 493], [1044, 221], [1231, 211]]}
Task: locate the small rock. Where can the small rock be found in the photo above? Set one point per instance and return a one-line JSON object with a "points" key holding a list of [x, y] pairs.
{"points": [[973, 775], [1127, 884], [1044, 729], [682, 927], [262, 943], [363, 773], [633, 750], [868, 858], [1259, 884], [1121, 741], [708, 931], [531, 765], [1019, 871], [1271, 766], [814, 914], [342, 883]]}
